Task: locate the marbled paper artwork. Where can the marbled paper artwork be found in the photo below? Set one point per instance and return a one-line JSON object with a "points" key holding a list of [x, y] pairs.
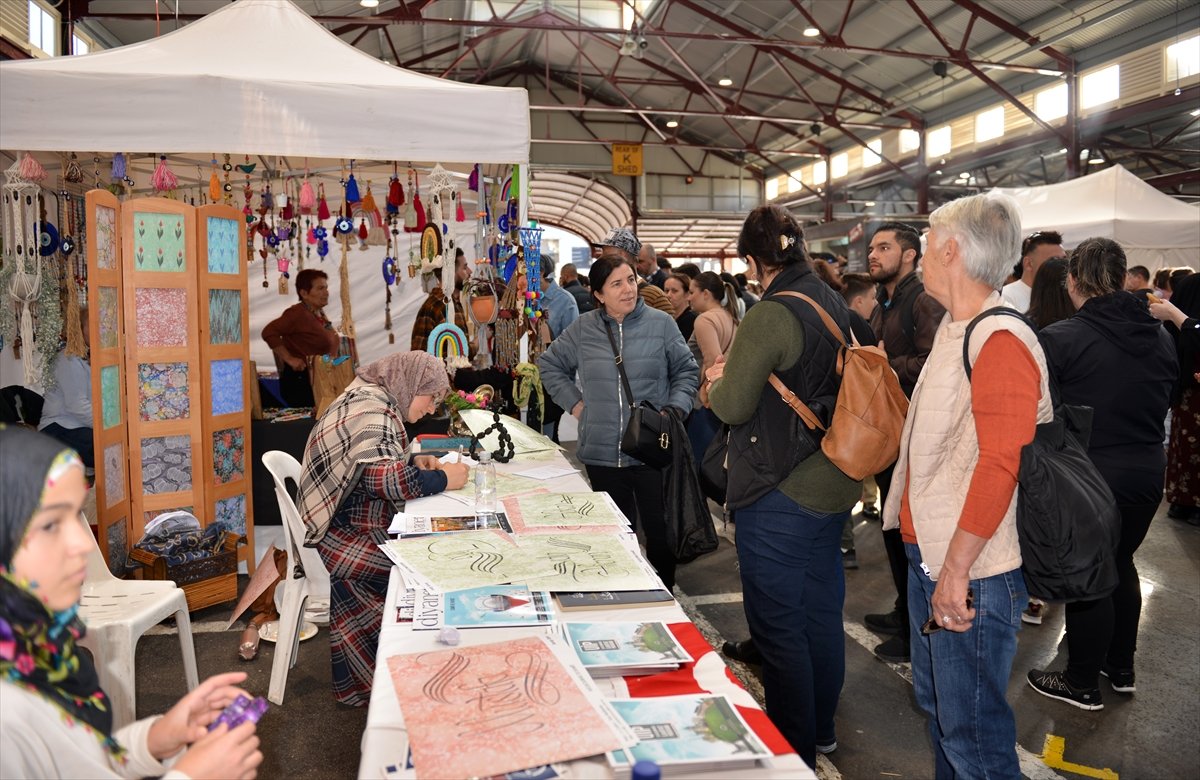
{"points": [[166, 464], [224, 316], [161, 316], [222, 246], [231, 513], [118, 543], [226, 384], [110, 396], [163, 391], [229, 455], [108, 317], [114, 474], [106, 237], [158, 243]]}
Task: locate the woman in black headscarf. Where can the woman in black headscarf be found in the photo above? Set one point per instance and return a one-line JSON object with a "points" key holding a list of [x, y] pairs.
{"points": [[1182, 315], [55, 721]]}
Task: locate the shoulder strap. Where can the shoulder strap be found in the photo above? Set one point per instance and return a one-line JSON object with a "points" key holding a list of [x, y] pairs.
{"points": [[830, 323], [995, 310], [618, 360]]}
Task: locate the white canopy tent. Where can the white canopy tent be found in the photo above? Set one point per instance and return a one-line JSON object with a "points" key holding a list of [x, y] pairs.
{"points": [[1155, 229], [256, 77]]}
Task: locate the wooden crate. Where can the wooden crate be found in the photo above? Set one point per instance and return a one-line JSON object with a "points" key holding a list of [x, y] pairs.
{"points": [[205, 581]]}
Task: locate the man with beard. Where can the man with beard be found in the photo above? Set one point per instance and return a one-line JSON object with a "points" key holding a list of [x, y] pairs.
{"points": [[905, 320], [433, 311]]}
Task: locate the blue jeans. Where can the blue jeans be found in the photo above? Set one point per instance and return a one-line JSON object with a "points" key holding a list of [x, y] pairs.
{"points": [[960, 679], [702, 426], [793, 587]]}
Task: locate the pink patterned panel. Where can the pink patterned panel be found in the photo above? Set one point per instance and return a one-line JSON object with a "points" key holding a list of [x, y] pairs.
{"points": [[161, 317]]}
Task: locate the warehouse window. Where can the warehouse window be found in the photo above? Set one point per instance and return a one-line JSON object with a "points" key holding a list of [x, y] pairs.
{"points": [[938, 142], [43, 28], [1051, 103], [989, 124], [1100, 87], [772, 188], [1183, 59], [871, 153], [793, 181], [910, 141], [80, 45], [839, 165], [818, 172]]}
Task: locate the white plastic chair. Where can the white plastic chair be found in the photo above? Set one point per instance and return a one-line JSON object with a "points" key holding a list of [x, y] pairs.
{"points": [[305, 581], [117, 613]]}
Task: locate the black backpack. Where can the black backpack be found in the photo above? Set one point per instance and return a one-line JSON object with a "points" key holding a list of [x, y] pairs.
{"points": [[1068, 523]]}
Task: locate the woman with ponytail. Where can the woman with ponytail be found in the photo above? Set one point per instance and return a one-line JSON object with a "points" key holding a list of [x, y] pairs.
{"points": [[715, 304], [55, 721]]}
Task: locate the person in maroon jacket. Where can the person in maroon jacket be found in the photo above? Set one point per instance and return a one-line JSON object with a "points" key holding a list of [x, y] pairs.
{"points": [[302, 331]]}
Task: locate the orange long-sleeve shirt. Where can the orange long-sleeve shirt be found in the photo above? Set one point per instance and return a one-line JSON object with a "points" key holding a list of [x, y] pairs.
{"points": [[1005, 388]]}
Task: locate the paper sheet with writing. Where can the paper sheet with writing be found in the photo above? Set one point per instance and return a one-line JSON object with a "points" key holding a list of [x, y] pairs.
{"points": [[489, 709], [458, 561], [569, 509], [583, 561], [507, 485]]}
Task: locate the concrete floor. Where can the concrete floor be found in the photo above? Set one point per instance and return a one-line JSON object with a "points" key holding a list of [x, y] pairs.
{"points": [[1152, 734]]}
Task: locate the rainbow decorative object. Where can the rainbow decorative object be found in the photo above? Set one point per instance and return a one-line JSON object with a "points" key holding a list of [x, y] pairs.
{"points": [[531, 240], [447, 341]]}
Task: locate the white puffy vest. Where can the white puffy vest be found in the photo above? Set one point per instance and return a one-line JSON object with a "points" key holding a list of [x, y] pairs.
{"points": [[940, 447]]}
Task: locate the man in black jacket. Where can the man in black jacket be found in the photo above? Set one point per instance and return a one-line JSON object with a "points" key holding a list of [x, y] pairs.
{"points": [[568, 279], [905, 320]]}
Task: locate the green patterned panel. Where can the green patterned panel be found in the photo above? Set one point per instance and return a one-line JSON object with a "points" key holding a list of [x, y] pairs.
{"points": [[110, 396], [158, 242], [224, 316]]}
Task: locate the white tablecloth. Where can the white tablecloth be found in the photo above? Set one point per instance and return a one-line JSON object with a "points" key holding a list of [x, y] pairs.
{"points": [[385, 740]]}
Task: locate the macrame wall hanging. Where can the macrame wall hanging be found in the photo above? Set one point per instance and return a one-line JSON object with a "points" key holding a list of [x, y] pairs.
{"points": [[22, 274]]}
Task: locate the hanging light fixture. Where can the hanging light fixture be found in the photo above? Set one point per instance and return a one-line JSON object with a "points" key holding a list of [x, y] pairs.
{"points": [[672, 123], [811, 32], [725, 81], [369, 3]]}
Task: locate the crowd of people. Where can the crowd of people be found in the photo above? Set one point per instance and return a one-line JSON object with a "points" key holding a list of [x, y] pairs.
{"points": [[709, 349]]}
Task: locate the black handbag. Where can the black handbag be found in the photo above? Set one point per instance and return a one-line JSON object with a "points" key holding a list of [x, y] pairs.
{"points": [[647, 437], [714, 475]]}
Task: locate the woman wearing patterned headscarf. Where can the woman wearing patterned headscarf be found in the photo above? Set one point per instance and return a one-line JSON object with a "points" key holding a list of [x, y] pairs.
{"points": [[354, 477], [55, 721]]}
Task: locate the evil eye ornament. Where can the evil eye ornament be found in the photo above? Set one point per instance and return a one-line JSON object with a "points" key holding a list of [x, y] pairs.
{"points": [[272, 240], [502, 223], [389, 270], [320, 233], [322, 247], [67, 246], [48, 240], [344, 226]]}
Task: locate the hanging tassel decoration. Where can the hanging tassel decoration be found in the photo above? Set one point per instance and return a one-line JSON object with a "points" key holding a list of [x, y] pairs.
{"points": [[362, 230], [352, 187], [322, 205], [308, 198], [422, 217], [395, 198], [410, 213], [214, 184], [164, 179], [118, 167], [473, 179], [459, 215], [346, 326], [368, 201], [31, 169], [76, 346]]}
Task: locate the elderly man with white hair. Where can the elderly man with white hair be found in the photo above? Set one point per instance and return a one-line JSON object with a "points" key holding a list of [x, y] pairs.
{"points": [[954, 491]]}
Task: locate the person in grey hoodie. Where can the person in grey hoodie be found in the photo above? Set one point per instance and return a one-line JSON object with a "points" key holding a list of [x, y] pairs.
{"points": [[661, 370]]}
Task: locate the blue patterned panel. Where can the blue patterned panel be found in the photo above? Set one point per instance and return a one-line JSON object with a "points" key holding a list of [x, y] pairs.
{"points": [[226, 386], [231, 514], [166, 464], [118, 543], [163, 391], [222, 246], [110, 396], [224, 316]]}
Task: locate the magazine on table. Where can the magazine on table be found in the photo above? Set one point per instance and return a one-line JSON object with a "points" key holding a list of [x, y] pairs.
{"points": [[492, 606], [684, 734], [582, 601], [620, 649], [404, 525]]}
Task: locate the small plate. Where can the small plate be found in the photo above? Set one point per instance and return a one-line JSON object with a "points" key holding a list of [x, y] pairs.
{"points": [[269, 632]]}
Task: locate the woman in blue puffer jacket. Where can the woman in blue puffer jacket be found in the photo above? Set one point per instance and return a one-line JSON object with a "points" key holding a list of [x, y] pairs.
{"points": [[661, 370]]}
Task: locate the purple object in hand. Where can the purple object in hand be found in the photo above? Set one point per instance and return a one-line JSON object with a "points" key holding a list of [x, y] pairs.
{"points": [[240, 711]]}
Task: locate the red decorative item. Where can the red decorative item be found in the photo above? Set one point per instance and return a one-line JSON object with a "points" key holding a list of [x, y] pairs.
{"points": [[421, 218], [362, 229], [395, 193], [322, 206], [459, 216]]}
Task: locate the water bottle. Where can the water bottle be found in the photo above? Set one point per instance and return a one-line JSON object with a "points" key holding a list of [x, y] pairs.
{"points": [[646, 770], [485, 486]]}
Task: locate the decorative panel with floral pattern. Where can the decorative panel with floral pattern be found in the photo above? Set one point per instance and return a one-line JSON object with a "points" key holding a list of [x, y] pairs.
{"points": [[222, 246], [224, 316], [226, 386], [229, 455], [158, 242], [161, 316], [108, 317], [166, 464], [110, 396], [163, 391], [118, 541], [106, 237], [114, 474], [231, 513]]}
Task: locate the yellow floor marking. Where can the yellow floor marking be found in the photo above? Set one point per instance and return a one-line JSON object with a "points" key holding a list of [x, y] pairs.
{"points": [[1052, 754]]}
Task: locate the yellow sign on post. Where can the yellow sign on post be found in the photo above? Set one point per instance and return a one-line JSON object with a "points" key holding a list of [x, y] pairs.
{"points": [[627, 159]]}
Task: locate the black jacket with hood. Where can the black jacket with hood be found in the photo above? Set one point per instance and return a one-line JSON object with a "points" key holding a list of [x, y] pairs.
{"points": [[1114, 357]]}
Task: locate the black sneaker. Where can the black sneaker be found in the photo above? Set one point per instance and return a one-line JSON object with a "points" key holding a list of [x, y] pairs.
{"points": [[827, 747], [870, 511], [888, 623], [849, 559], [894, 650], [1055, 685], [744, 651], [1121, 679]]}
